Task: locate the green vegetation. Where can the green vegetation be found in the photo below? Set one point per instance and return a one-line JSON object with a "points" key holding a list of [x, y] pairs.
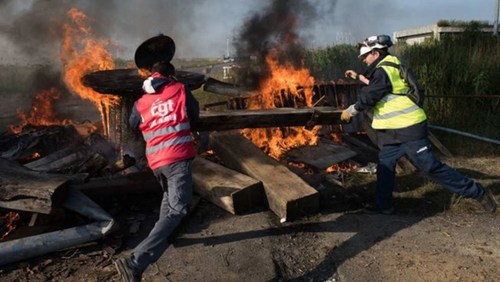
{"points": [[332, 62], [465, 65], [460, 65], [443, 23]]}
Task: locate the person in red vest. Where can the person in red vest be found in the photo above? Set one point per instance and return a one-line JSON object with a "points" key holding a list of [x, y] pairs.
{"points": [[164, 114]]}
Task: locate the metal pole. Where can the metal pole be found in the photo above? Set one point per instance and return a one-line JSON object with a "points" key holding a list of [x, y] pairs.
{"points": [[495, 25], [485, 139]]}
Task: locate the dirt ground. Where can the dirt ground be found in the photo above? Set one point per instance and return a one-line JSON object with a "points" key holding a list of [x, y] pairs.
{"points": [[434, 236]]}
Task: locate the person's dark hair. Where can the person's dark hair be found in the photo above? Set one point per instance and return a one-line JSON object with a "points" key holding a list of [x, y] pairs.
{"points": [[382, 52], [164, 68]]}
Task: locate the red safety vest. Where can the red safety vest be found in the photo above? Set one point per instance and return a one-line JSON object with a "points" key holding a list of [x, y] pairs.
{"points": [[165, 126]]}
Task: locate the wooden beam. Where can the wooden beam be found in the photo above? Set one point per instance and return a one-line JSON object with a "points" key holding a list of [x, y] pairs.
{"points": [[133, 183], [279, 117], [321, 156], [287, 194], [442, 148], [235, 192]]}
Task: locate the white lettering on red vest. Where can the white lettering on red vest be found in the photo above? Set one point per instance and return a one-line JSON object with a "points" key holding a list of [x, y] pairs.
{"points": [[162, 109]]}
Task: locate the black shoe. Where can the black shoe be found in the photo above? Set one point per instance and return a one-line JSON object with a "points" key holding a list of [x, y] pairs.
{"points": [[488, 201], [377, 210], [128, 270]]}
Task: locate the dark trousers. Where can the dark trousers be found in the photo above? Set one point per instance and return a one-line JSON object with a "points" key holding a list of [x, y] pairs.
{"points": [[420, 154], [176, 179]]}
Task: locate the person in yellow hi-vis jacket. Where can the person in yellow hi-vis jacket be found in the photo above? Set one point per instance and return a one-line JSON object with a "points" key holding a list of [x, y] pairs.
{"points": [[401, 127]]}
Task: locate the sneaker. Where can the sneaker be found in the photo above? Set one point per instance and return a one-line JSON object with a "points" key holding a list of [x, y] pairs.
{"points": [[371, 209], [488, 201], [128, 270]]}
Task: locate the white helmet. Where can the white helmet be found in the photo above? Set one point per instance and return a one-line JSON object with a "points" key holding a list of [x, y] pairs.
{"points": [[374, 42]]}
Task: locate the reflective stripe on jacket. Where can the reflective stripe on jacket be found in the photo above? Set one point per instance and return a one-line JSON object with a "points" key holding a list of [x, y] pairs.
{"points": [[165, 126], [396, 111]]}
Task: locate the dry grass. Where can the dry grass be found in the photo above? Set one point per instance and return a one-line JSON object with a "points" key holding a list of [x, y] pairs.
{"points": [[414, 193]]}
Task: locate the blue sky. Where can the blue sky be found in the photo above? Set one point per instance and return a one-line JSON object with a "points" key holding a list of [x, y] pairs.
{"points": [[201, 27]]}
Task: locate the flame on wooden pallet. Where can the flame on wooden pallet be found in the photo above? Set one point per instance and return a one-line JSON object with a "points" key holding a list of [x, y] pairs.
{"points": [[343, 167], [286, 84], [42, 112], [7, 223]]}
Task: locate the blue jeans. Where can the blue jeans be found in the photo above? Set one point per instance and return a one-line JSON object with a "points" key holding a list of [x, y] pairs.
{"points": [[176, 179], [420, 154]]}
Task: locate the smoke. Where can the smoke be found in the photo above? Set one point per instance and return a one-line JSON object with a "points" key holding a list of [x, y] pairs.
{"points": [[276, 31]]}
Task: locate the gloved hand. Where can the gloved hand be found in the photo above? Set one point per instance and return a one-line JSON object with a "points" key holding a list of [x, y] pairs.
{"points": [[348, 113]]}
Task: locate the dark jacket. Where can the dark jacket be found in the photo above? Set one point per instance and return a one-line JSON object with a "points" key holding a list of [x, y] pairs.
{"points": [[379, 86]]}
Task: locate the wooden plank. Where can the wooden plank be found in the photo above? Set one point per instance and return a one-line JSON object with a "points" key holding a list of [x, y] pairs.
{"points": [[133, 183], [279, 117], [60, 159], [321, 156], [23, 189], [288, 196], [442, 148], [235, 192]]}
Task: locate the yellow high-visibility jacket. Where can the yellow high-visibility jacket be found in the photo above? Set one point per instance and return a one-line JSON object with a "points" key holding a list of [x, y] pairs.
{"points": [[396, 111]]}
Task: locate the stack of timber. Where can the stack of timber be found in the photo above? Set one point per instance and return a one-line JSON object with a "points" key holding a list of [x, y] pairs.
{"points": [[288, 196], [228, 189]]}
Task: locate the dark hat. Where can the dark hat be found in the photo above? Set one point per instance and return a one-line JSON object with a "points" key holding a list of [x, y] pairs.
{"points": [[160, 48]]}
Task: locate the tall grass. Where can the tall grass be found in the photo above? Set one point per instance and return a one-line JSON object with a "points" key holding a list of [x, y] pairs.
{"points": [[457, 66], [332, 62]]}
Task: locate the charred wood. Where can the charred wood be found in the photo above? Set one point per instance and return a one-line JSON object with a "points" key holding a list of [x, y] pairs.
{"points": [[279, 117], [61, 159], [123, 163], [133, 183], [321, 156], [26, 190], [96, 162]]}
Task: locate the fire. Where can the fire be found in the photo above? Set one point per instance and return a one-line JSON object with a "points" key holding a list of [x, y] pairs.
{"points": [[42, 112], [286, 85], [81, 54], [344, 167], [144, 73], [7, 223]]}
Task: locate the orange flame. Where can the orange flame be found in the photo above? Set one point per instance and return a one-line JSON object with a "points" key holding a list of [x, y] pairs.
{"points": [[344, 167], [286, 84], [42, 112], [80, 55], [144, 73], [8, 223]]}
